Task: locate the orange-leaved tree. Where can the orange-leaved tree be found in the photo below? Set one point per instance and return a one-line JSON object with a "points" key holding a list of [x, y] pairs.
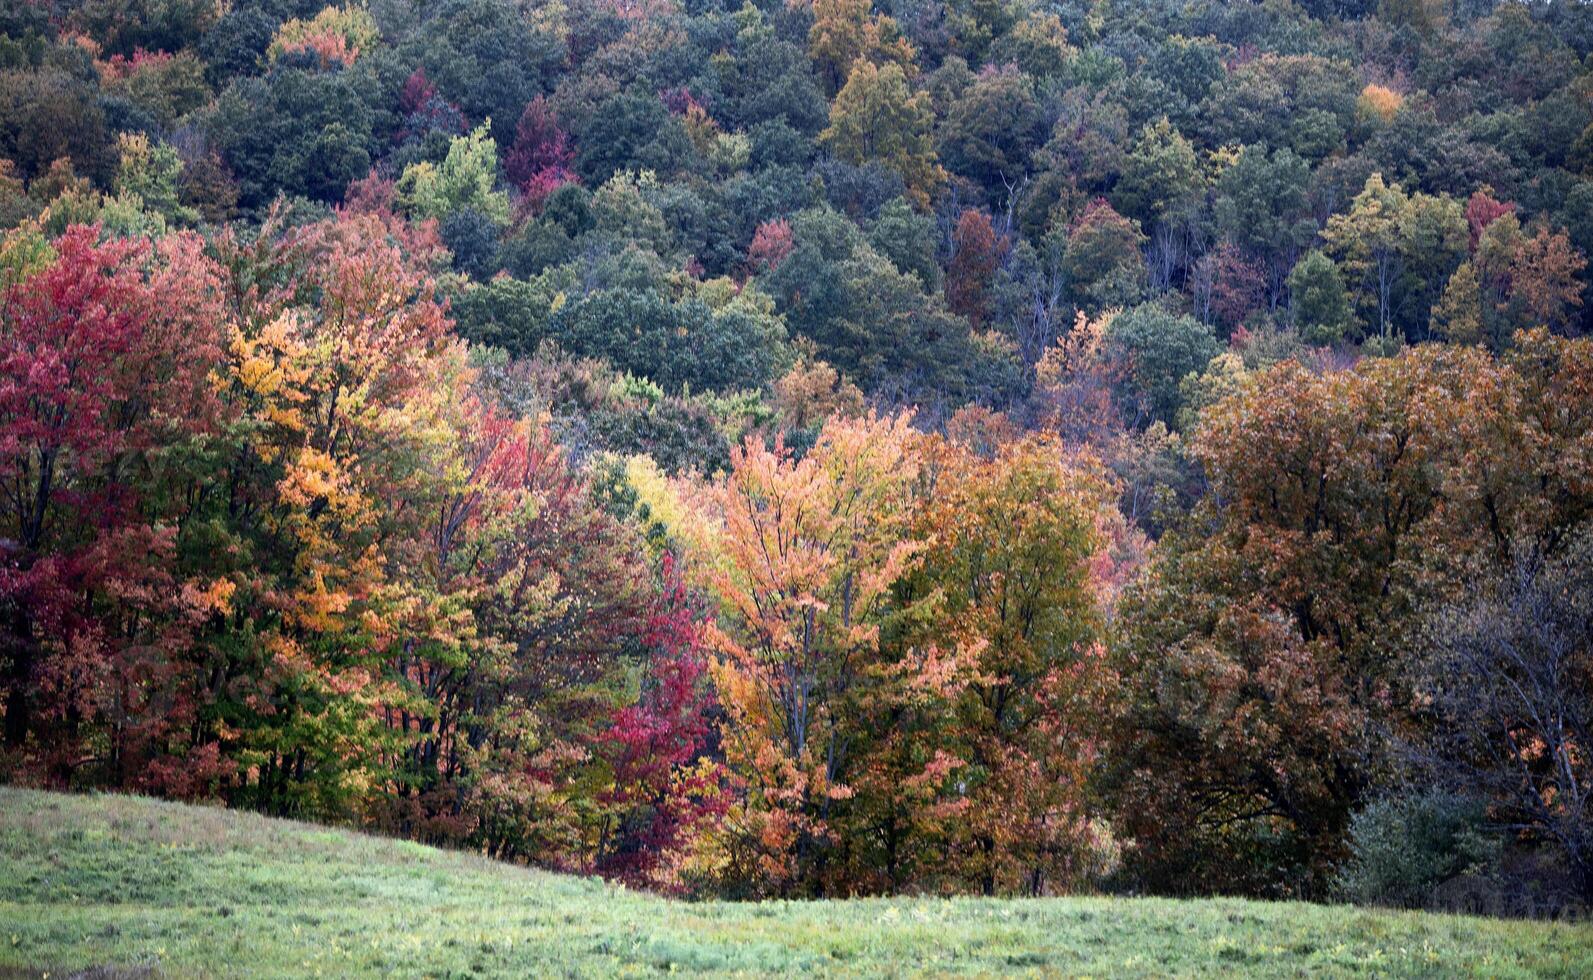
{"points": [[1013, 539], [1267, 655], [343, 374], [811, 548]]}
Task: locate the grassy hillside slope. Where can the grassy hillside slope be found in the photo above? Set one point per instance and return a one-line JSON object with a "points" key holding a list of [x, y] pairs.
{"points": [[160, 889]]}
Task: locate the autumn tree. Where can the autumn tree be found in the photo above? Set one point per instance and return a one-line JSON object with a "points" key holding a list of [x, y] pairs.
{"points": [[109, 350], [1524, 280], [1262, 655], [771, 243], [667, 797], [1013, 652], [1544, 280], [520, 605], [976, 252], [1378, 104], [846, 32], [336, 35], [877, 117], [541, 158], [811, 548], [1238, 286], [1102, 262], [813, 391], [344, 370], [1482, 210]]}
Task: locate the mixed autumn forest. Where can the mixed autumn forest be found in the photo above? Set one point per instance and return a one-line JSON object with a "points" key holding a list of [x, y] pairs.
{"points": [[813, 448]]}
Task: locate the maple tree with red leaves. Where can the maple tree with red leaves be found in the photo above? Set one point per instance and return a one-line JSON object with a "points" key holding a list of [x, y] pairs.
{"points": [[539, 161], [106, 360]]}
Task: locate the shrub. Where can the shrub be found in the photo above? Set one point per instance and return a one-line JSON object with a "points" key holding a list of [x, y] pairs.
{"points": [[1403, 848]]}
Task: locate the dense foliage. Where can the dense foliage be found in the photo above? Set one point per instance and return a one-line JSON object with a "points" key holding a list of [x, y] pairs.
{"points": [[809, 448]]}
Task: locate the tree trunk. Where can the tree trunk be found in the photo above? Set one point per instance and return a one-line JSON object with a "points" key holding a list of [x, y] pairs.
{"points": [[19, 675]]}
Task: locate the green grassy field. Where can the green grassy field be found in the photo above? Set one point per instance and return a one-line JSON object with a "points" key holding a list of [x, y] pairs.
{"points": [[137, 887]]}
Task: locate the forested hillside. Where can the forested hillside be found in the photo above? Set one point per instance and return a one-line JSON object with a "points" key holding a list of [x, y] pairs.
{"points": [[810, 448]]}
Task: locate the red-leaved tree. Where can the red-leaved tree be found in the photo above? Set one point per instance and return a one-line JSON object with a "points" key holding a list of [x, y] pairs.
{"points": [[665, 794], [106, 353], [539, 160]]}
